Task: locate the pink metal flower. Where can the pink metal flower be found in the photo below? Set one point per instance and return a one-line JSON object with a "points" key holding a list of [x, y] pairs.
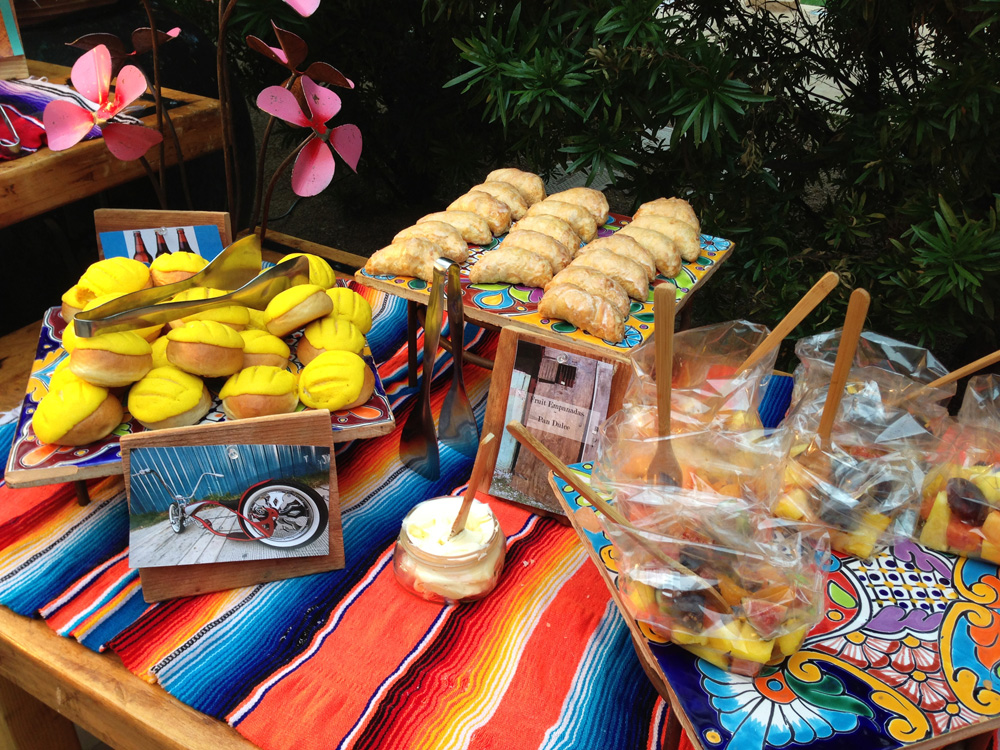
{"points": [[304, 7], [314, 166], [292, 52], [66, 123]]}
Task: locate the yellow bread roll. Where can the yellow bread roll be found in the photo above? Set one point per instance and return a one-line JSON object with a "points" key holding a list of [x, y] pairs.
{"points": [[263, 348], [169, 269], [350, 305], [320, 272], [69, 338], [73, 301], [256, 322], [259, 391], [206, 348], [529, 184], [235, 316], [326, 335], [63, 375], [159, 352], [335, 381], [150, 333], [293, 308], [115, 276], [168, 397], [111, 360], [76, 413]]}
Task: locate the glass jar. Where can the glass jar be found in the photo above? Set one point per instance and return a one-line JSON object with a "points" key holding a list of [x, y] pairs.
{"points": [[460, 572]]}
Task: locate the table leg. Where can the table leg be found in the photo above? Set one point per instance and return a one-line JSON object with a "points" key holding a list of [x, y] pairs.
{"points": [[26, 723], [411, 341], [82, 494]]}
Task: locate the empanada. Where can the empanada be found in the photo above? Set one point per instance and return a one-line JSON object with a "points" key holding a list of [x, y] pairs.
{"points": [[626, 272], [578, 218], [497, 214], [528, 183], [411, 257], [584, 310], [440, 233], [686, 238], [593, 281], [587, 198], [507, 194], [555, 228], [513, 265], [672, 208], [473, 227], [627, 247], [666, 256], [540, 244]]}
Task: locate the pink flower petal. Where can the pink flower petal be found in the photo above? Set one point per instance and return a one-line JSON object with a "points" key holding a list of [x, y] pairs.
{"points": [[326, 73], [280, 54], [66, 123], [129, 142], [313, 169], [129, 86], [304, 7], [271, 53], [281, 103], [346, 141], [322, 102], [174, 32], [91, 74], [293, 46]]}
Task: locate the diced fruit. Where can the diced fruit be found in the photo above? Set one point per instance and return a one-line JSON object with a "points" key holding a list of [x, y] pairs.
{"points": [[723, 635], [792, 505], [861, 542], [642, 597], [655, 633], [778, 593], [790, 642], [750, 646], [934, 533], [731, 591], [763, 615], [686, 637], [928, 502], [990, 552], [966, 501], [989, 485], [745, 667], [963, 537], [991, 527], [710, 655]]}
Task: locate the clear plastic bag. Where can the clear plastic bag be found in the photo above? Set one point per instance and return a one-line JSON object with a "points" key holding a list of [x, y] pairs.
{"points": [[960, 504], [718, 578], [706, 391], [735, 464]]}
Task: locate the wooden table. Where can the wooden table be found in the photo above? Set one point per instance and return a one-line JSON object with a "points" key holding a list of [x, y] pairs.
{"points": [[45, 180]]}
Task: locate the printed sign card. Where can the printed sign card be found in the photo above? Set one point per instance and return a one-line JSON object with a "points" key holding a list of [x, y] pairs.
{"points": [[146, 244]]}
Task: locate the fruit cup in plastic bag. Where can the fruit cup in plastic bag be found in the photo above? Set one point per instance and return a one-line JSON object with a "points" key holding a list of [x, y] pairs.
{"points": [[741, 591], [736, 464], [960, 508], [706, 389]]}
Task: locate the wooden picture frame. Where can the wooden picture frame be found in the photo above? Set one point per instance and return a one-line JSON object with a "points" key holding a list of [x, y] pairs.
{"points": [[13, 63], [127, 219], [561, 399], [311, 427]]}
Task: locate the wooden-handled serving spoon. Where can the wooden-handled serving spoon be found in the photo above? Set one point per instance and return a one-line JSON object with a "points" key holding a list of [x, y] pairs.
{"points": [[487, 449]]}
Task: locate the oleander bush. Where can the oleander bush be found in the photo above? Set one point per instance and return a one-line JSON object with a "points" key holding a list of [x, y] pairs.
{"points": [[862, 139]]}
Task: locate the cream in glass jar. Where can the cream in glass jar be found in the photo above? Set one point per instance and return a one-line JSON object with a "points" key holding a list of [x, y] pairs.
{"points": [[449, 570]]}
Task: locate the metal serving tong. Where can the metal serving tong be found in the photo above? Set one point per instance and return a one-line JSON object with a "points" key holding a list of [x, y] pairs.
{"points": [[459, 430], [237, 267], [418, 448]]}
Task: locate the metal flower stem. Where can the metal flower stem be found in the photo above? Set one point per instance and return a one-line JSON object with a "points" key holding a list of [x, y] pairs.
{"points": [[258, 185], [156, 183], [226, 9], [162, 169], [185, 185], [274, 181]]}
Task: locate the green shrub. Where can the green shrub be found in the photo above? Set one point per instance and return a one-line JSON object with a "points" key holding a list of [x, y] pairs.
{"points": [[863, 141]]}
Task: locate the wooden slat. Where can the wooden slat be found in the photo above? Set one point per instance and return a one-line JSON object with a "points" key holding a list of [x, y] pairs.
{"points": [[17, 352], [48, 179], [28, 724], [98, 693]]}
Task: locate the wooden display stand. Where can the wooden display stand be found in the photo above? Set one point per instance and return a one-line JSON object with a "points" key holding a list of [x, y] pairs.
{"points": [[305, 428]]}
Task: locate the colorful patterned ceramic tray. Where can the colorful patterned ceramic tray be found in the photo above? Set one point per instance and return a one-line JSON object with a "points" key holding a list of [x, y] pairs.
{"points": [[907, 655], [31, 463], [500, 304]]}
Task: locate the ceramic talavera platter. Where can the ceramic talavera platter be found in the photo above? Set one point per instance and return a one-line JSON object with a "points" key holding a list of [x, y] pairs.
{"points": [[33, 463], [497, 305], [907, 655]]}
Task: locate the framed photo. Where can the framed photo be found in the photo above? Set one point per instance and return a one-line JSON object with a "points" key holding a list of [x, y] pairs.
{"points": [[561, 392], [219, 506], [13, 64]]}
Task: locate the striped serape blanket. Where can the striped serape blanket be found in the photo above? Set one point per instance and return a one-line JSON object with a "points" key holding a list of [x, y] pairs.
{"points": [[543, 662]]}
